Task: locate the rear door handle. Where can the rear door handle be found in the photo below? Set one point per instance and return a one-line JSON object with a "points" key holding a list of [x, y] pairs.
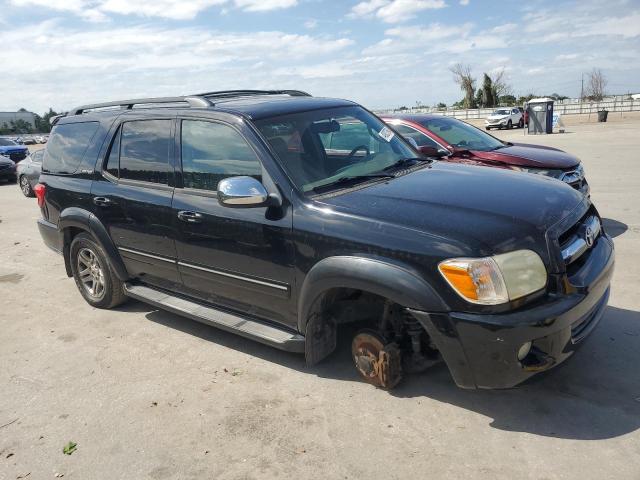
{"points": [[103, 201], [190, 217]]}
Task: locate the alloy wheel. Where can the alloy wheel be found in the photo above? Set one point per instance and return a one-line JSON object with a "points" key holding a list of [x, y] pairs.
{"points": [[91, 273], [24, 186]]}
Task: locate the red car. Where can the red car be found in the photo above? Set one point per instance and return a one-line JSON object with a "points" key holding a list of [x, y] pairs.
{"points": [[457, 141]]}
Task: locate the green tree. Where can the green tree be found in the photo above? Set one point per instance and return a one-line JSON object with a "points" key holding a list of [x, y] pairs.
{"points": [[507, 100], [487, 92]]}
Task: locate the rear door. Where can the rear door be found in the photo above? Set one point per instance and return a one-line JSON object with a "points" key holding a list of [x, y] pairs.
{"points": [[132, 198], [240, 258]]}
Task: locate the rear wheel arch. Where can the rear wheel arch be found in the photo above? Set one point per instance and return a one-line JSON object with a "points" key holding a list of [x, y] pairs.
{"points": [[75, 220]]}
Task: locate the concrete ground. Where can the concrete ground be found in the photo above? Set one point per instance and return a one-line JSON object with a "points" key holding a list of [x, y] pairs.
{"points": [[149, 395]]}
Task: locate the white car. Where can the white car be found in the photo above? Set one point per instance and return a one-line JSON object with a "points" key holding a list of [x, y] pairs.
{"points": [[505, 117]]}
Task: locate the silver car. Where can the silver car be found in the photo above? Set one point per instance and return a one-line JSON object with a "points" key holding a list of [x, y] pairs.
{"points": [[28, 172]]}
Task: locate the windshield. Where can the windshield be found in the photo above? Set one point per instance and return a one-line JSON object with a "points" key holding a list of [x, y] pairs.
{"points": [[5, 142], [320, 147], [503, 111], [461, 135]]}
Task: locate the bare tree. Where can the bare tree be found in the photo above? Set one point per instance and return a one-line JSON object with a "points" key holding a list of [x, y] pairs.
{"points": [[500, 86], [596, 84], [462, 76]]}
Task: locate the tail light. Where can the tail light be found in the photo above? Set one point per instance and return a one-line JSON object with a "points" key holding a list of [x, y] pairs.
{"points": [[40, 190]]}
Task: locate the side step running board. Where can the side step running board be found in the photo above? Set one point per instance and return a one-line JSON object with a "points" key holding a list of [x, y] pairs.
{"points": [[255, 330]]}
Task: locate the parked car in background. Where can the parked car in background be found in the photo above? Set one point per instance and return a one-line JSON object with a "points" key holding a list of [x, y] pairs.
{"points": [[525, 115], [7, 169], [29, 141], [281, 217], [505, 117], [457, 141], [28, 172], [11, 149]]}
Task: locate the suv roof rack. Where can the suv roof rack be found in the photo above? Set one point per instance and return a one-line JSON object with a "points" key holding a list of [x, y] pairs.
{"points": [[245, 93], [192, 100]]}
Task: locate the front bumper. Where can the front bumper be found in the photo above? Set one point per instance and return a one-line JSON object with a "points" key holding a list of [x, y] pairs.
{"points": [[481, 350]]}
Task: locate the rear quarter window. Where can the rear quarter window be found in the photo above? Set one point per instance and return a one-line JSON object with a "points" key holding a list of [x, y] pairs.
{"points": [[67, 145]]}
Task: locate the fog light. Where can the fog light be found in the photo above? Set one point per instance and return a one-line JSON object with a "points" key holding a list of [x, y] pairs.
{"points": [[524, 351]]}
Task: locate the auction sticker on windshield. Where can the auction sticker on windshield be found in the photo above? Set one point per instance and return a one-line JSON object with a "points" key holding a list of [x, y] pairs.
{"points": [[386, 134]]}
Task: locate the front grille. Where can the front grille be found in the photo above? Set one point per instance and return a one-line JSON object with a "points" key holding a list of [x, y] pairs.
{"points": [[17, 156], [579, 239], [3, 167]]}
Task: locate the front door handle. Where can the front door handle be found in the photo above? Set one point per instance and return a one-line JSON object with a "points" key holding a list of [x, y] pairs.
{"points": [[190, 217], [103, 201]]}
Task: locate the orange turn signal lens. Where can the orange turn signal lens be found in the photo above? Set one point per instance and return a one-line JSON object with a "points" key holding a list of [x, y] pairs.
{"points": [[459, 278]]}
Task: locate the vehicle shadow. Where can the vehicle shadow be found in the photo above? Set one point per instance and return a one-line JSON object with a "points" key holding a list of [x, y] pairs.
{"points": [[594, 395], [614, 227]]}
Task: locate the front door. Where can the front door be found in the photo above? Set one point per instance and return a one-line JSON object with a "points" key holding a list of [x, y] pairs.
{"points": [[132, 198], [239, 258]]}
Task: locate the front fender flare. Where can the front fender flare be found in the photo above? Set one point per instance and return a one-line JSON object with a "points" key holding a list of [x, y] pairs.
{"points": [[387, 278]]}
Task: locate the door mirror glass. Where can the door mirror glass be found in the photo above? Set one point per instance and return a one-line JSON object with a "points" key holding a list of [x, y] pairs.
{"points": [[242, 192]]}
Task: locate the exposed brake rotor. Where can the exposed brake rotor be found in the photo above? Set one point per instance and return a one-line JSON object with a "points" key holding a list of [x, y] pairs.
{"points": [[379, 364]]}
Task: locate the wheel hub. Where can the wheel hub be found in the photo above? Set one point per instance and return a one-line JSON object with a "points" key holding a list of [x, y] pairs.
{"points": [[377, 363]]}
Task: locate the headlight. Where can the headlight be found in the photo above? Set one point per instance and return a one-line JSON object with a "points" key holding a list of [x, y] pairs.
{"points": [[539, 171], [497, 279]]}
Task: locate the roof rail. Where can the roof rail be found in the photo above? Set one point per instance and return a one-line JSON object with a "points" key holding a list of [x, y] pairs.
{"points": [[193, 101], [243, 93]]}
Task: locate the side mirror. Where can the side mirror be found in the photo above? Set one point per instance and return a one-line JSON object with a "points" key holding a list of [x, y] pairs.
{"points": [[430, 151], [242, 192]]}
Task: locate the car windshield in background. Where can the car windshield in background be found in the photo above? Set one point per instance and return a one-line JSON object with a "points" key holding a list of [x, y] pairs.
{"points": [[502, 112], [321, 147], [5, 142], [461, 135]]}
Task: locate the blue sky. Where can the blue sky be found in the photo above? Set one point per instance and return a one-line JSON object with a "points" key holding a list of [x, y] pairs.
{"points": [[382, 53]]}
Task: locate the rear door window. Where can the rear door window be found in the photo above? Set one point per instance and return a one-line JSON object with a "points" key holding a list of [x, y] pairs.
{"points": [[67, 145], [144, 151]]}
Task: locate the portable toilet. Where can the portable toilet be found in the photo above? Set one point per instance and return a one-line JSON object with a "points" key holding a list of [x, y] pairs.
{"points": [[540, 115]]}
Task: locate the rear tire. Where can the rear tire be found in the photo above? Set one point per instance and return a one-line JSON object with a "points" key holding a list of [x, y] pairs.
{"points": [[93, 275], [509, 125], [25, 187], [521, 123]]}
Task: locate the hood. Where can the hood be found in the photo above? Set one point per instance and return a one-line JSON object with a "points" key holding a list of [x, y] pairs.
{"points": [[497, 117], [525, 155], [489, 210], [12, 149], [5, 161]]}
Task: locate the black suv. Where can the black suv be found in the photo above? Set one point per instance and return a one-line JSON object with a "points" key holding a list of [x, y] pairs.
{"points": [[281, 216]]}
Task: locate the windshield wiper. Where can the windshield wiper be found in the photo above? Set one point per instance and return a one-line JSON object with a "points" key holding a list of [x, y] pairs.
{"points": [[403, 162], [351, 179]]}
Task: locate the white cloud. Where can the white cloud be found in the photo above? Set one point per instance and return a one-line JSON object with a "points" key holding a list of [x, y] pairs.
{"points": [[97, 10], [464, 3], [313, 23], [264, 5], [175, 9], [394, 11]]}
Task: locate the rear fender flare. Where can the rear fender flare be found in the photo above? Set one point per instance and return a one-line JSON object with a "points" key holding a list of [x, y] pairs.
{"points": [[85, 220]]}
